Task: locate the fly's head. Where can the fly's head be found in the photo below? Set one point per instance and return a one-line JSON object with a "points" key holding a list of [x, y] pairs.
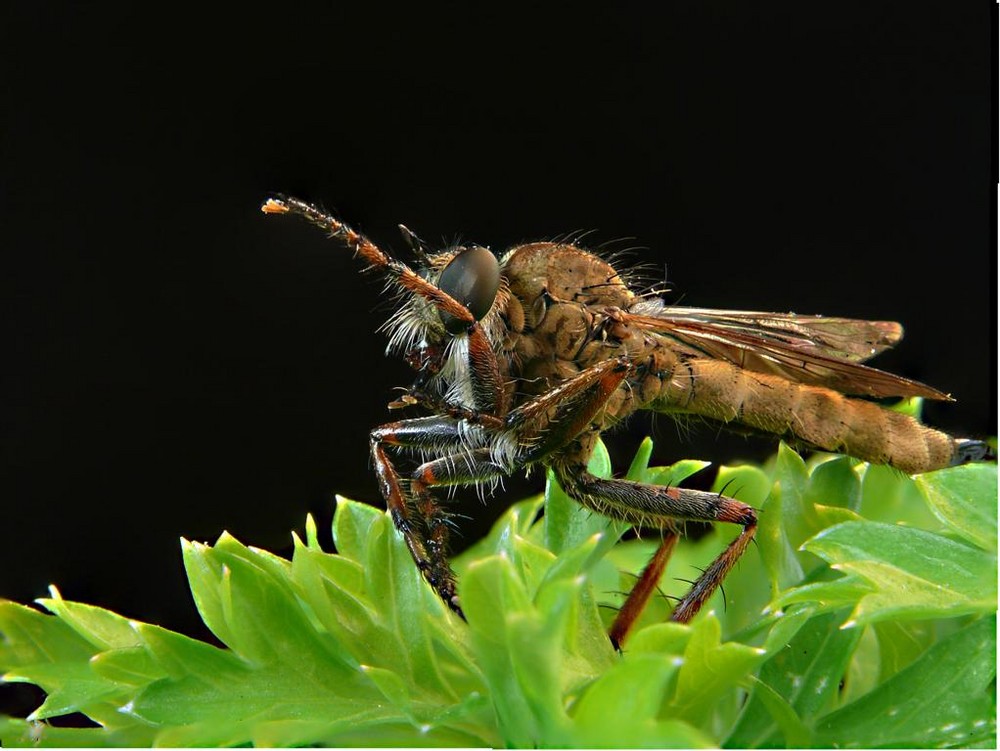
{"points": [[451, 296], [433, 341]]}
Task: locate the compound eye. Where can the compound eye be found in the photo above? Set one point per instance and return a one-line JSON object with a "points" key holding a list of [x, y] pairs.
{"points": [[472, 277]]}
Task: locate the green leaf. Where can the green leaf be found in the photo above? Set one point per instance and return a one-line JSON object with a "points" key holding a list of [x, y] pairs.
{"points": [[566, 522], [675, 474], [745, 483], [798, 515], [805, 675], [352, 522], [777, 551], [16, 733], [520, 652], [797, 734], [602, 720], [943, 699], [709, 669], [900, 643], [965, 499], [30, 637], [908, 571], [70, 687], [355, 648], [888, 495], [102, 628], [835, 483]]}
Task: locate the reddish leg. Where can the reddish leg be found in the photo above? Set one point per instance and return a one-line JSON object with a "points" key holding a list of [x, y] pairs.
{"points": [[642, 590], [656, 506]]}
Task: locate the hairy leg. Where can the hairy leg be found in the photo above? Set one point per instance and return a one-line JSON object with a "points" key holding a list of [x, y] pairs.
{"points": [[657, 506]]}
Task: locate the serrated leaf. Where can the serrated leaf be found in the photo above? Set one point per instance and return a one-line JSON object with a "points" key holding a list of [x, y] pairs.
{"points": [[796, 733], [745, 482], [17, 733], [71, 687], [205, 578], [133, 666], [676, 473], [355, 648], [503, 622], [102, 628], [888, 495], [351, 524], [777, 551], [262, 614], [835, 594], [181, 655], [518, 521], [262, 693], [28, 637], [640, 462], [312, 534], [901, 643], [797, 516], [660, 638]]}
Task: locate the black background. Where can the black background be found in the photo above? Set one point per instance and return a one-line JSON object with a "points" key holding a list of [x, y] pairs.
{"points": [[176, 364]]}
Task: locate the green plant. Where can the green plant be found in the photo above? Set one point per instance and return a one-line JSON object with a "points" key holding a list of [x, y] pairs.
{"points": [[865, 618]]}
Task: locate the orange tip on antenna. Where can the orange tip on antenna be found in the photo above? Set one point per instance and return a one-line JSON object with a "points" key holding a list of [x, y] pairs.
{"points": [[274, 206]]}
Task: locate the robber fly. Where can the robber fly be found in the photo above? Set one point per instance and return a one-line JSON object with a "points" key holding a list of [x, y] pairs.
{"points": [[525, 359]]}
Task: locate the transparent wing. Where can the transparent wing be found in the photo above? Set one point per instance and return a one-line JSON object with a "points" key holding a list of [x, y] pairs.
{"points": [[807, 349]]}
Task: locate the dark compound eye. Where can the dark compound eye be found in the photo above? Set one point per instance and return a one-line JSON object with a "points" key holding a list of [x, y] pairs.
{"points": [[472, 277]]}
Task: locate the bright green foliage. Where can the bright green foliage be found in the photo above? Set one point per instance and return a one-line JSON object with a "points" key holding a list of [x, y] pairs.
{"points": [[865, 617]]}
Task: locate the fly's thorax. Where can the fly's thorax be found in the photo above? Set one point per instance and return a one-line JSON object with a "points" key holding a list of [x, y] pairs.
{"points": [[557, 291], [538, 272]]}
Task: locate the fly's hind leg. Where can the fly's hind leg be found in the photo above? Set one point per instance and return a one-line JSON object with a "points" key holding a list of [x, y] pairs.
{"points": [[643, 589], [658, 506]]}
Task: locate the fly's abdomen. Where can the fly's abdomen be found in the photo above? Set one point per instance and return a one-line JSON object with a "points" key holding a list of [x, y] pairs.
{"points": [[817, 416]]}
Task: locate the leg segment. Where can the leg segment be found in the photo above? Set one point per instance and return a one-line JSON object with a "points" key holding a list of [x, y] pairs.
{"points": [[361, 245], [642, 590], [477, 451], [467, 467], [426, 532], [656, 506]]}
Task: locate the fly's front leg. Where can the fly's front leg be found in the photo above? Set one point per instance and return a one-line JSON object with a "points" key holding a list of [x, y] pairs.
{"points": [[478, 448], [423, 524], [657, 506], [484, 369], [398, 271]]}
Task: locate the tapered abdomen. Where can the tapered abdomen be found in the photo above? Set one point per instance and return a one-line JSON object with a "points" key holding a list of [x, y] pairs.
{"points": [[817, 416]]}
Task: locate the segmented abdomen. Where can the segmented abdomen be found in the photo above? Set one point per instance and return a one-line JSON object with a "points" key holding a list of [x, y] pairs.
{"points": [[820, 417]]}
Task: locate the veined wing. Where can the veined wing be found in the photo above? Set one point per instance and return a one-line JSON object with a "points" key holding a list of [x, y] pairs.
{"points": [[807, 349]]}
